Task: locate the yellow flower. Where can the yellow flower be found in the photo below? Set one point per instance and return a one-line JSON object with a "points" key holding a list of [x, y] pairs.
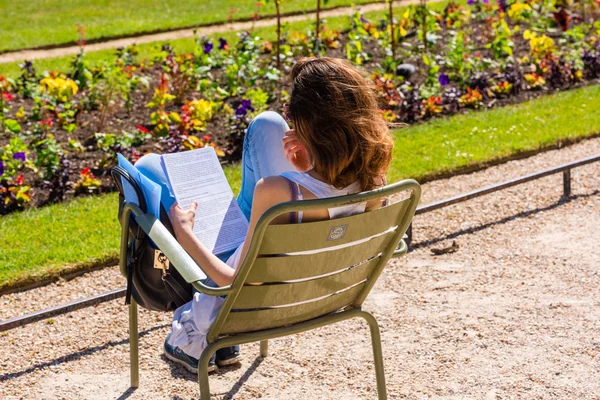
{"points": [[199, 113], [517, 10], [20, 113], [61, 88]]}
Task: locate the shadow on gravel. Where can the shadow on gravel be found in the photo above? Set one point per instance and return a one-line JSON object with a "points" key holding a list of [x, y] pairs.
{"points": [[179, 372], [127, 393], [504, 220], [76, 356]]}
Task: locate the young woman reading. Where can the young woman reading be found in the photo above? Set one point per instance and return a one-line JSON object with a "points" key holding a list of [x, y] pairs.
{"points": [[339, 145]]}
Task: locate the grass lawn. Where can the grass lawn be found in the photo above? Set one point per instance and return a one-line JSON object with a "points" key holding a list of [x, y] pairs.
{"points": [[39, 243], [147, 50], [444, 145], [27, 24]]}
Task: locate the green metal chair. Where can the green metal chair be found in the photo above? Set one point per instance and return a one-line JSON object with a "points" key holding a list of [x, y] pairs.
{"points": [[314, 274]]}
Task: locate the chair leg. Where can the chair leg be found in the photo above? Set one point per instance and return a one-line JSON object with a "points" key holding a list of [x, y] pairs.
{"points": [[264, 348], [203, 372], [377, 354], [134, 360]]}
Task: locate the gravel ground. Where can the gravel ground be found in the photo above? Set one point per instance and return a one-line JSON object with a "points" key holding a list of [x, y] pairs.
{"points": [[513, 314]]}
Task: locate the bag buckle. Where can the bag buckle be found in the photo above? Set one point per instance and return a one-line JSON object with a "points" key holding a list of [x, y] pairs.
{"points": [[161, 261]]}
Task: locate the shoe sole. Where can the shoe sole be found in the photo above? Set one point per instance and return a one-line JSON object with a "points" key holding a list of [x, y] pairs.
{"points": [[211, 368], [229, 361]]}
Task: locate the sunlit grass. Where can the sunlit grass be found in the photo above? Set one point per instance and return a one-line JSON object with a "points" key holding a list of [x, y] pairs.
{"points": [[148, 50], [27, 24], [40, 242]]}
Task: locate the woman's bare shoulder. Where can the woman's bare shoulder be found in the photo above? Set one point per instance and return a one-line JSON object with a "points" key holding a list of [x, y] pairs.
{"points": [[273, 190]]}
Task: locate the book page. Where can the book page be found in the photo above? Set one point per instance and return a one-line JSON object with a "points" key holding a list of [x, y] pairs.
{"points": [[197, 175]]}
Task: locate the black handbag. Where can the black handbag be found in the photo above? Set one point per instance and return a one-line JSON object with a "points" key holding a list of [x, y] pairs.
{"points": [[152, 280]]}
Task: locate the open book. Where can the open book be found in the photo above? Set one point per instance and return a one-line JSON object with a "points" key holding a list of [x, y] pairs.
{"points": [[197, 175]]}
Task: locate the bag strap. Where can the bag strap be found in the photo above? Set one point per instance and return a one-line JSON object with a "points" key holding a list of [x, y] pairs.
{"points": [[120, 175], [294, 190], [131, 262]]}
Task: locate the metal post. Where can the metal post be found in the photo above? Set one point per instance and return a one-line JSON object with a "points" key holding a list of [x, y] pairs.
{"points": [[567, 183], [264, 348], [134, 359]]}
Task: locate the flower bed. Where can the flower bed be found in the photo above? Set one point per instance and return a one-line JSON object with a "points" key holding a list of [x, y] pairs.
{"points": [[61, 132]]}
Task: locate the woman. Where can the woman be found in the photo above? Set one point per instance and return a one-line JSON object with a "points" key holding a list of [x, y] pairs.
{"points": [[339, 145]]}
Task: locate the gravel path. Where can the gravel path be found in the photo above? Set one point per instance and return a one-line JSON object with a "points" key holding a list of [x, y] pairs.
{"points": [[514, 314], [187, 33]]}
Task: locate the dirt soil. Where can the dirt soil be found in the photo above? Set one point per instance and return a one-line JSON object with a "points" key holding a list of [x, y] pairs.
{"points": [[513, 314]]}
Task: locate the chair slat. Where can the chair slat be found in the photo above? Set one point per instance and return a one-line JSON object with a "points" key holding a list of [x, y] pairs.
{"points": [[249, 321], [305, 266], [308, 236], [290, 293]]}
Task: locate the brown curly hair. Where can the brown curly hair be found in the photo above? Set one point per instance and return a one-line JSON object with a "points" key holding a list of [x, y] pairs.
{"points": [[335, 115]]}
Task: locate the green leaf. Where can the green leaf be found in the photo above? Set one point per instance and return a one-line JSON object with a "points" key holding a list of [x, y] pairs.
{"points": [[12, 125]]}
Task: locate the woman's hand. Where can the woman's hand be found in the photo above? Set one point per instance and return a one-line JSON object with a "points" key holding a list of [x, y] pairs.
{"points": [[183, 220], [295, 152]]}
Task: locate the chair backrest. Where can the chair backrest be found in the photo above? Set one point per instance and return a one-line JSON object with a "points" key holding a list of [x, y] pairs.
{"points": [[311, 269]]}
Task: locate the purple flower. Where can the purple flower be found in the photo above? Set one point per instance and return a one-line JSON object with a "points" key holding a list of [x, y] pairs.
{"points": [[1, 168], [247, 104], [19, 156], [243, 108], [444, 79], [502, 4], [222, 43], [363, 19], [208, 46]]}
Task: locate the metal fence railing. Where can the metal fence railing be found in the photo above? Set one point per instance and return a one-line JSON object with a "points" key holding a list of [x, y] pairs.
{"points": [[118, 293]]}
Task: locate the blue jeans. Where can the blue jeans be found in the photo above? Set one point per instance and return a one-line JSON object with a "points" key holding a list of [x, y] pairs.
{"points": [[262, 156]]}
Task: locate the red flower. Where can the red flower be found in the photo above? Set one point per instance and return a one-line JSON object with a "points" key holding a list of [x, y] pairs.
{"points": [[20, 180], [142, 129], [45, 122], [86, 172], [206, 138], [134, 156], [7, 96]]}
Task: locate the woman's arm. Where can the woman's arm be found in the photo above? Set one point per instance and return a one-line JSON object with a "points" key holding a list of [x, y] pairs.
{"points": [[268, 192]]}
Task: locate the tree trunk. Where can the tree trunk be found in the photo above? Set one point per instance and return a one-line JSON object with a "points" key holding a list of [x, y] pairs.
{"points": [[390, 2], [318, 20], [278, 34], [424, 22]]}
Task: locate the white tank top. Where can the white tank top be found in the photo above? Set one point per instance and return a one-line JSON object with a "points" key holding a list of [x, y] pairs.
{"points": [[323, 190], [319, 189]]}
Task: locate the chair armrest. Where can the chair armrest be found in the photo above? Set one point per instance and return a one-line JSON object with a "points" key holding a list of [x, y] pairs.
{"points": [[401, 250], [181, 260]]}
